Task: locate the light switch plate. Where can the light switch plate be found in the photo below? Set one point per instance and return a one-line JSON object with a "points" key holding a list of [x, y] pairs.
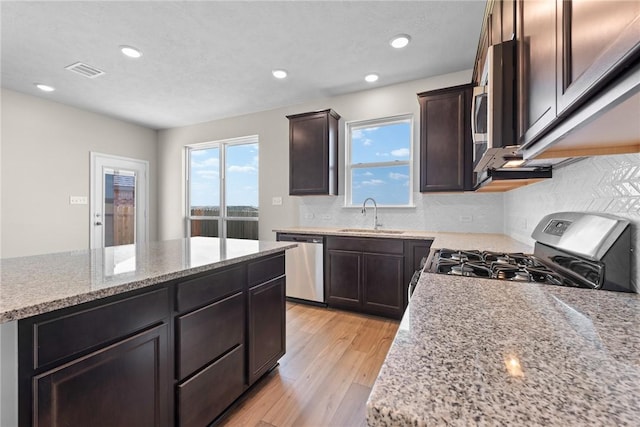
{"points": [[78, 200], [276, 201]]}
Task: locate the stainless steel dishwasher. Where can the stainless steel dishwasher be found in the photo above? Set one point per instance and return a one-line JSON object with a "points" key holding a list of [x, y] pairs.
{"points": [[304, 267]]}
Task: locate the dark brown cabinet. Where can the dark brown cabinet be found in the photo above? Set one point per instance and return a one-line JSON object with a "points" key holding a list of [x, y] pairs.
{"points": [[567, 51], [371, 274], [78, 364], [176, 355], [313, 153], [597, 37], [445, 140], [130, 376], [266, 317], [536, 44], [383, 279]]}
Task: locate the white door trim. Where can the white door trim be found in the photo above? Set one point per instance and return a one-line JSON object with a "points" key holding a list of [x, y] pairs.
{"points": [[98, 161]]}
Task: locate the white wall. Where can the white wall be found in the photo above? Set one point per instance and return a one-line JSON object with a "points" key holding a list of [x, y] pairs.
{"points": [[45, 159], [434, 212], [608, 184]]}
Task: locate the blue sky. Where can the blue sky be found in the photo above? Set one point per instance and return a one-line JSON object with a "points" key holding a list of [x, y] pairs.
{"points": [[241, 176], [389, 185]]}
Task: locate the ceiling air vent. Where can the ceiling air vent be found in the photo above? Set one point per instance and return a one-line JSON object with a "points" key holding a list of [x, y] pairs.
{"points": [[85, 70]]}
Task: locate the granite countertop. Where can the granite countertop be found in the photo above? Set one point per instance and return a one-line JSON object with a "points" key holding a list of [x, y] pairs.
{"points": [[484, 352], [485, 241], [39, 284]]}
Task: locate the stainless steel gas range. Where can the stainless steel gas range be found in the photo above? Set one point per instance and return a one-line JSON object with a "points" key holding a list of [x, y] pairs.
{"points": [[576, 249]]}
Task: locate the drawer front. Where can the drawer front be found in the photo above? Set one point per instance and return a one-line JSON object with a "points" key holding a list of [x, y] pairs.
{"points": [[265, 269], [206, 395], [207, 333], [371, 244], [65, 336], [202, 290]]}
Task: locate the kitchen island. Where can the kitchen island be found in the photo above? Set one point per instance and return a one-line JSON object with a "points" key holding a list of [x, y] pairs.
{"points": [[137, 325], [473, 351]]}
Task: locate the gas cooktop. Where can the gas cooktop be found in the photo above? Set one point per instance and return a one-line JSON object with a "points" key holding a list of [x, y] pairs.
{"points": [[516, 267], [578, 249]]}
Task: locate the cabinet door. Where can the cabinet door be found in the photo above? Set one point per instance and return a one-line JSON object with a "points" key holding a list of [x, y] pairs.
{"points": [[597, 38], [445, 140], [383, 280], [313, 139], [536, 39], [266, 326], [124, 384], [343, 278]]}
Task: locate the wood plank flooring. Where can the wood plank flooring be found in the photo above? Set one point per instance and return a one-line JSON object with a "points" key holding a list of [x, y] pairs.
{"points": [[332, 360]]}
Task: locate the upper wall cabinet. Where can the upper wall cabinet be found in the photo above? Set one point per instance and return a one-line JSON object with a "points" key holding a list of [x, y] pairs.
{"points": [[598, 37], [567, 51], [313, 153], [445, 139], [536, 36]]}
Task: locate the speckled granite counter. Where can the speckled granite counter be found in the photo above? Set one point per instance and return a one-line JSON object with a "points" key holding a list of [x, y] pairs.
{"points": [[39, 284], [485, 352], [485, 241]]}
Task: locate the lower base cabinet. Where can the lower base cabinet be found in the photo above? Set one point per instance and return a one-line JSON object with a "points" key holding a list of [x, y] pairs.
{"points": [[266, 327], [384, 277], [179, 354], [124, 384], [369, 274]]}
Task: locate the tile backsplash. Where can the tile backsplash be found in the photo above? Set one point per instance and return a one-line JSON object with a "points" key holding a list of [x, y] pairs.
{"points": [[608, 184], [468, 212]]}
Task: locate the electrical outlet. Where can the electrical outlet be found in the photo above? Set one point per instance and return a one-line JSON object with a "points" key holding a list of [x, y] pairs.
{"points": [[309, 216], [465, 218], [78, 200], [276, 201]]}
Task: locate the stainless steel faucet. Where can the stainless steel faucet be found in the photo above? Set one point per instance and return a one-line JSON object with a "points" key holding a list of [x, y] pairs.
{"points": [[375, 211]]}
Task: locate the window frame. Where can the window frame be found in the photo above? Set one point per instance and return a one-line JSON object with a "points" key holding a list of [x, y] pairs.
{"points": [[360, 124], [223, 218]]}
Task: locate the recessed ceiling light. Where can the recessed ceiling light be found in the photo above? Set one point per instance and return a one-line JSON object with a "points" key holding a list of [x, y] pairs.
{"points": [[279, 74], [45, 88], [371, 77], [131, 52], [400, 41]]}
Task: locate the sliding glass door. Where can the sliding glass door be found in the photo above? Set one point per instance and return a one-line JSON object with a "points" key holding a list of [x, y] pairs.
{"points": [[222, 189]]}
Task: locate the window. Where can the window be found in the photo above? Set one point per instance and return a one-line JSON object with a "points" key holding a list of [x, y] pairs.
{"points": [[379, 161], [222, 189]]}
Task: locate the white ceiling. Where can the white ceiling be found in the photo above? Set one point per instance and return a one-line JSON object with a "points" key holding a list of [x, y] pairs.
{"points": [[204, 60]]}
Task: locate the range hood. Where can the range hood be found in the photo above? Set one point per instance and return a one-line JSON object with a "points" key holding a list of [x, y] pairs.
{"points": [[504, 169]]}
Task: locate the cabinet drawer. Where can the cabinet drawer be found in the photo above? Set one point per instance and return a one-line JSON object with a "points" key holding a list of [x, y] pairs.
{"points": [[205, 396], [387, 246], [265, 269], [66, 335], [207, 333], [197, 292]]}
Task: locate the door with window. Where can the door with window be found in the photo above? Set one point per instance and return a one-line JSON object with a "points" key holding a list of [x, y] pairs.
{"points": [[222, 189], [118, 201]]}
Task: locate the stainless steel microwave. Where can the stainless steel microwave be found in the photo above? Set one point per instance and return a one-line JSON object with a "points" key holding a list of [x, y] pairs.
{"points": [[493, 119]]}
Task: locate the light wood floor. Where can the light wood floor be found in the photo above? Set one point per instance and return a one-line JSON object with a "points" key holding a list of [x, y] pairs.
{"points": [[332, 360]]}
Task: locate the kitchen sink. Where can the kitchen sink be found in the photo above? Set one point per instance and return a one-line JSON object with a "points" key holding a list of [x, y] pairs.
{"points": [[369, 230]]}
